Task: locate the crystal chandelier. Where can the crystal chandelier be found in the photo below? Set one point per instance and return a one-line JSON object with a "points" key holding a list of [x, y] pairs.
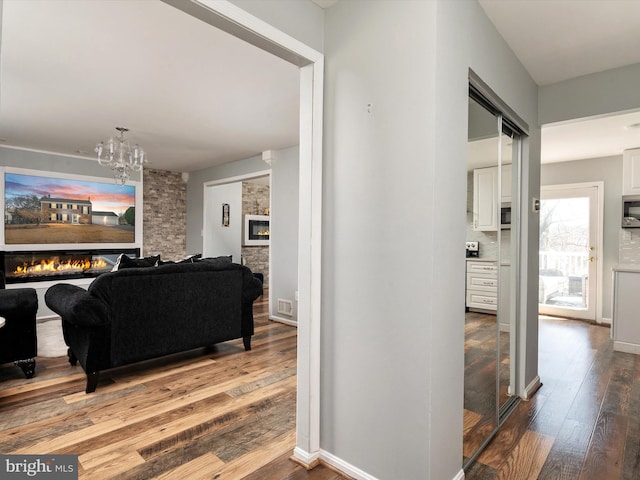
{"points": [[120, 156]]}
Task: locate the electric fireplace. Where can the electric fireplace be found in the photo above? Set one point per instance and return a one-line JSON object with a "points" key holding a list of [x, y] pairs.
{"points": [[23, 267], [256, 230]]}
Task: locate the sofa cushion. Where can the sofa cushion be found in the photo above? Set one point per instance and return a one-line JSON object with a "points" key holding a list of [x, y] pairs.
{"points": [[218, 261]]}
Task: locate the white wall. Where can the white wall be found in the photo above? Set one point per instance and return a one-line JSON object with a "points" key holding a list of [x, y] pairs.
{"points": [[283, 254], [392, 341], [376, 364], [607, 92], [218, 239]]}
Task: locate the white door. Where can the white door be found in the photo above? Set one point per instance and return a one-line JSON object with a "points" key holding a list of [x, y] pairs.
{"points": [[570, 239], [222, 237]]}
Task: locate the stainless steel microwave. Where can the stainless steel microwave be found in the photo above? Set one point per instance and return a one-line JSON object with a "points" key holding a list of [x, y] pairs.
{"points": [[631, 211]]}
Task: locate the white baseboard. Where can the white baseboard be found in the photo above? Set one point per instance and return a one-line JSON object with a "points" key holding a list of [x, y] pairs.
{"points": [[344, 467], [626, 347], [305, 458], [605, 321], [531, 388], [459, 476], [355, 472], [286, 321]]}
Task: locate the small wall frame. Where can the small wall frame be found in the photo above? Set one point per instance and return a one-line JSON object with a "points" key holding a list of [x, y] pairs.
{"points": [[225, 214]]}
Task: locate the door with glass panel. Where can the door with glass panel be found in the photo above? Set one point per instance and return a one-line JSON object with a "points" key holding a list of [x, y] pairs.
{"points": [[569, 248]]}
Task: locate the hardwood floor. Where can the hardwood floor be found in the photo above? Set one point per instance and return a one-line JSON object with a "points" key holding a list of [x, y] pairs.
{"points": [[221, 413], [230, 414], [480, 395], [583, 423]]}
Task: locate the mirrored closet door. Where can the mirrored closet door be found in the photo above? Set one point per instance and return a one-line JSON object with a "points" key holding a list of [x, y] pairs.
{"points": [[491, 273]]}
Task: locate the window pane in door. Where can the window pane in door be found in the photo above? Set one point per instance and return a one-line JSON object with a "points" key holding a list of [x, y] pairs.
{"points": [[564, 252]]}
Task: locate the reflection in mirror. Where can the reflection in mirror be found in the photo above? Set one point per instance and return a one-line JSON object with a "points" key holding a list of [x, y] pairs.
{"points": [[481, 349], [490, 327]]}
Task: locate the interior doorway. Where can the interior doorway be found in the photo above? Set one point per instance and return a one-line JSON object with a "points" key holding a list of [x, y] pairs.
{"points": [[223, 230], [570, 242], [235, 21]]}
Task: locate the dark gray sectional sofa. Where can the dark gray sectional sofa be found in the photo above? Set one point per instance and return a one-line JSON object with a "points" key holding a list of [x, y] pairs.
{"points": [[140, 313]]}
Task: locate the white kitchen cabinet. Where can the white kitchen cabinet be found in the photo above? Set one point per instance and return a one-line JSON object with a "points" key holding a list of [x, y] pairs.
{"points": [[485, 196], [485, 199], [631, 172], [625, 324], [482, 285]]}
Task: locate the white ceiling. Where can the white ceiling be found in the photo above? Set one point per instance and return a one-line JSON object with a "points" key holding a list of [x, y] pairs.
{"points": [[73, 70], [191, 95], [560, 39], [557, 40]]}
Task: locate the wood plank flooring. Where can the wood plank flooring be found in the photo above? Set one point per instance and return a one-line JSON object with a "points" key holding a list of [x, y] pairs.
{"points": [[584, 422], [480, 395], [230, 414], [220, 413]]}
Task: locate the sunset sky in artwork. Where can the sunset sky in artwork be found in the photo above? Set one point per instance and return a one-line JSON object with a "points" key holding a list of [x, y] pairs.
{"points": [[105, 197]]}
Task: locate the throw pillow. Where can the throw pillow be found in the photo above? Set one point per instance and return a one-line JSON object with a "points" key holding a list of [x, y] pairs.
{"points": [[124, 261], [191, 258]]}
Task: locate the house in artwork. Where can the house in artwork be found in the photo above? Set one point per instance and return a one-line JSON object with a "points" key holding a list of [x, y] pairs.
{"points": [[65, 210], [8, 215]]}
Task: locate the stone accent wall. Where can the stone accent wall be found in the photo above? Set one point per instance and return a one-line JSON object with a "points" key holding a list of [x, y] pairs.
{"points": [[255, 200], [164, 214]]}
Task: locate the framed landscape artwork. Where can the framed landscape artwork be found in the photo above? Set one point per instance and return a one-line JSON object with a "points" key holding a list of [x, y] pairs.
{"points": [[51, 210]]}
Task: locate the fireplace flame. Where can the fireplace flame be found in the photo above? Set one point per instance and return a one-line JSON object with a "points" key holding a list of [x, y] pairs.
{"points": [[55, 265]]}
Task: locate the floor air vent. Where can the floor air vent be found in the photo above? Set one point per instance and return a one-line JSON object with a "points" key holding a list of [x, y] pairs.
{"points": [[285, 307]]}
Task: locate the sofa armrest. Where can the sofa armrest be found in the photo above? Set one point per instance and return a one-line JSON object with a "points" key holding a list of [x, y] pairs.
{"points": [[251, 286], [21, 300], [75, 305]]}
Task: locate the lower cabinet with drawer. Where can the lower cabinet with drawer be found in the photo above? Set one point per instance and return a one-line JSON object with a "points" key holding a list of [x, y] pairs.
{"points": [[482, 285]]}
